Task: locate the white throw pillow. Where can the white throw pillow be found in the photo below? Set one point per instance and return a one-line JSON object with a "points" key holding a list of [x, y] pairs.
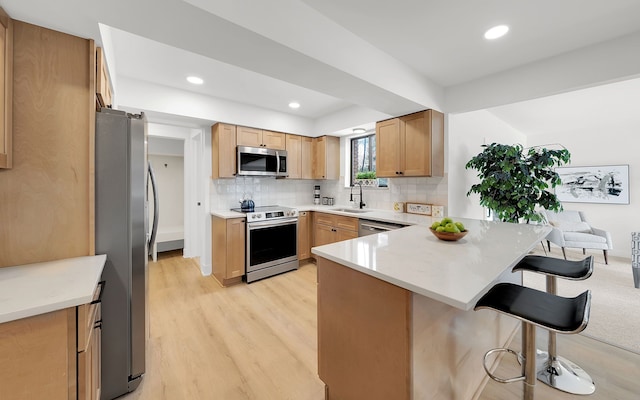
{"points": [[572, 226]]}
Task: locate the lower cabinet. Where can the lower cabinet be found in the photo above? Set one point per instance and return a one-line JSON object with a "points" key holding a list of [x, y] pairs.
{"points": [[89, 350], [331, 228], [227, 249], [54, 356], [304, 235]]}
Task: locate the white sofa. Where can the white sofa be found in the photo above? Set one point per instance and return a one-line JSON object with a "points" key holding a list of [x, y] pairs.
{"points": [[571, 229]]}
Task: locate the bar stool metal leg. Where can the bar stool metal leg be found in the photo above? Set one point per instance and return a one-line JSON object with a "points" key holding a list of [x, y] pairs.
{"points": [[530, 361], [557, 371]]}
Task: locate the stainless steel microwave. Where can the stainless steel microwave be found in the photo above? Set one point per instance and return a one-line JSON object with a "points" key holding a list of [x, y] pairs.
{"points": [[259, 161]]}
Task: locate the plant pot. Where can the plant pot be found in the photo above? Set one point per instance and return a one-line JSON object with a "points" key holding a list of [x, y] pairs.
{"points": [[367, 182]]}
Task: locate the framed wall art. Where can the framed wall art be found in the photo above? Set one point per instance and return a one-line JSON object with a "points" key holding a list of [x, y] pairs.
{"points": [[608, 184]]}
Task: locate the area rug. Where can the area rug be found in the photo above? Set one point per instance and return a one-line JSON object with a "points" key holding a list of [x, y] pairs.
{"points": [[615, 302]]}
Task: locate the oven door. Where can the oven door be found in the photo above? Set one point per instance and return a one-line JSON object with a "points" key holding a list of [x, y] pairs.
{"points": [[271, 243]]}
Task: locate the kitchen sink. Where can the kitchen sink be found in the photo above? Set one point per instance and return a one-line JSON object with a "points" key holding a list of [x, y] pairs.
{"points": [[350, 210]]}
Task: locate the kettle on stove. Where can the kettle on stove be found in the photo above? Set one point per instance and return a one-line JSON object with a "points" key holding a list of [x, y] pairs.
{"points": [[247, 205]]}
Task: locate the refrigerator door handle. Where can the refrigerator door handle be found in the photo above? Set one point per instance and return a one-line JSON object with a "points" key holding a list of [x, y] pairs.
{"points": [[156, 211]]}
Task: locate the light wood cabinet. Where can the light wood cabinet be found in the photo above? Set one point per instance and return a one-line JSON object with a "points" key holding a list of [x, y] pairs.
{"points": [[89, 349], [326, 157], [411, 145], [53, 149], [383, 323], [223, 151], [331, 228], [6, 89], [304, 235], [294, 156], [306, 165], [228, 249], [274, 140], [104, 94], [52, 356], [254, 137], [300, 156]]}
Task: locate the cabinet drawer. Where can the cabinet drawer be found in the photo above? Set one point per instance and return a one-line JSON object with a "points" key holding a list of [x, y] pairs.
{"points": [[348, 223], [88, 314], [325, 219]]}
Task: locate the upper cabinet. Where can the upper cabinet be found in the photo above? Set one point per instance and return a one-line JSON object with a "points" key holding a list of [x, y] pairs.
{"points": [[260, 138], [307, 158], [411, 145], [306, 164], [103, 84], [6, 89], [326, 157], [294, 156], [223, 151]]}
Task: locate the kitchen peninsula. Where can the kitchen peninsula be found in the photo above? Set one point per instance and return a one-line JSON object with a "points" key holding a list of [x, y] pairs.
{"points": [[395, 310]]}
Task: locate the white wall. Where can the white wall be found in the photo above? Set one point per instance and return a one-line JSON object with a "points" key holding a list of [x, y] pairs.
{"points": [[466, 133], [606, 143], [169, 172]]}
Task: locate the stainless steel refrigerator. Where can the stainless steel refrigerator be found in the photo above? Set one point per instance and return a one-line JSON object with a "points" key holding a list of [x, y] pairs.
{"points": [[122, 233]]}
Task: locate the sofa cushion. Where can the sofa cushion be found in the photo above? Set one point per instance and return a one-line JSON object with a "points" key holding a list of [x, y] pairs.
{"points": [[572, 226]]}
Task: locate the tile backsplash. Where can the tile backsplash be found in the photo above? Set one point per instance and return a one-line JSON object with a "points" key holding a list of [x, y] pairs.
{"points": [[226, 193]]}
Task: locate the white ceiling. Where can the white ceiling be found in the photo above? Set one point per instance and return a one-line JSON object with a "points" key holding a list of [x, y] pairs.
{"points": [[393, 57]]}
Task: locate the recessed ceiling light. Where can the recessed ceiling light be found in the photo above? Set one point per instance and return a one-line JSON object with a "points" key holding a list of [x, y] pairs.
{"points": [[496, 32], [294, 104], [195, 80], [358, 130]]}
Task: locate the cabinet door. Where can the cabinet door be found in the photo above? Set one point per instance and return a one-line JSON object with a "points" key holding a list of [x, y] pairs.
{"points": [[249, 136], [294, 159], [88, 361], [38, 356], [223, 151], [388, 148], [6, 92], [319, 157], [304, 244], [347, 223], [235, 247], [324, 234], [274, 140], [326, 157], [417, 145], [306, 157]]}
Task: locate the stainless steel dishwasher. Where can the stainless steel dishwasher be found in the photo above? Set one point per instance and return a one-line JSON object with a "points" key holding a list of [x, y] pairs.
{"points": [[371, 227]]}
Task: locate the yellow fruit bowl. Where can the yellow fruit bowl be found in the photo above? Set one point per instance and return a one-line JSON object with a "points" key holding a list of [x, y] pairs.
{"points": [[448, 236]]}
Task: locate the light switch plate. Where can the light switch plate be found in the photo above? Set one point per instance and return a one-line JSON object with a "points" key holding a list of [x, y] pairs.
{"points": [[418, 208]]}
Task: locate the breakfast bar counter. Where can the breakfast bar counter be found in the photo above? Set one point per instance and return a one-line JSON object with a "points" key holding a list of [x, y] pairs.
{"points": [[395, 310]]}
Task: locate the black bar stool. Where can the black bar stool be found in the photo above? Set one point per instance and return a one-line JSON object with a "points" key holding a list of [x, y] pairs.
{"points": [[534, 308], [554, 370]]}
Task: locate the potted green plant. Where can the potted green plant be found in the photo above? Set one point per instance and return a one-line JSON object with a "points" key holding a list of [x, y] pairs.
{"points": [[367, 178], [513, 183]]}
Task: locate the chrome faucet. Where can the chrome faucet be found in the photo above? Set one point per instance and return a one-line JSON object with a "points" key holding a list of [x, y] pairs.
{"points": [[361, 204]]}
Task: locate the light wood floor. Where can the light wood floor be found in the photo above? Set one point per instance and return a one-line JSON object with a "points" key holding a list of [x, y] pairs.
{"points": [[258, 341]]}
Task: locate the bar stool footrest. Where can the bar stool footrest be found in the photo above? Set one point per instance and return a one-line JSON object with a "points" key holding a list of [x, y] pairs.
{"points": [[495, 377]]}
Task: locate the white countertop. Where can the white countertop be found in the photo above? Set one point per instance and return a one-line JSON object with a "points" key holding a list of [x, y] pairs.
{"points": [[455, 273], [378, 215], [39, 288]]}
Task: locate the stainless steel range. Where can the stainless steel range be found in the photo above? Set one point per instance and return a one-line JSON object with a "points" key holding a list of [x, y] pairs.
{"points": [[272, 241]]}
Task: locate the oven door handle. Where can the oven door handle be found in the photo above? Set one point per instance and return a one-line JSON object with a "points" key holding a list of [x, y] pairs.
{"points": [[262, 224]]}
